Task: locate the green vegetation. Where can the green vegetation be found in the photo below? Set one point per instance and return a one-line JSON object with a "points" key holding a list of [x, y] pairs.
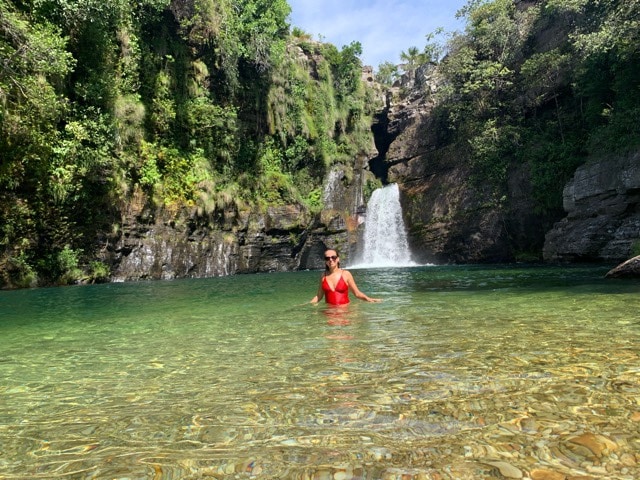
{"points": [[412, 58], [546, 84], [387, 73], [199, 106], [211, 108]]}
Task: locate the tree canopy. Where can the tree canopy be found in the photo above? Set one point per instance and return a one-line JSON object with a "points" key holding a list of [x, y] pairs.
{"points": [[544, 83]]}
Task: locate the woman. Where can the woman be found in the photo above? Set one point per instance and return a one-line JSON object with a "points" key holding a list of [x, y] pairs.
{"points": [[336, 283]]}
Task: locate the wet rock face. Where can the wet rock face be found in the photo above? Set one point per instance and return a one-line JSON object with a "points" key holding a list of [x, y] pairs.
{"points": [[180, 246], [163, 252], [448, 220], [161, 246], [602, 202], [156, 244]]}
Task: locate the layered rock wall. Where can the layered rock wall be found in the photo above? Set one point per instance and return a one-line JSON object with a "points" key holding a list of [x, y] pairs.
{"points": [[602, 202], [154, 243]]}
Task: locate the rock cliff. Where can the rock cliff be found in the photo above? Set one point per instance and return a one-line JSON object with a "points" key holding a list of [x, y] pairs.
{"points": [[450, 217], [453, 219], [602, 202], [155, 243]]}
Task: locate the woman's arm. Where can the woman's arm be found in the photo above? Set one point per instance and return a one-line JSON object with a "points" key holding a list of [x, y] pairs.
{"points": [[354, 288], [319, 295]]}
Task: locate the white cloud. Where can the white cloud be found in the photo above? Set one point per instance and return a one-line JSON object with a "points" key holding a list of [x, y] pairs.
{"points": [[384, 28]]}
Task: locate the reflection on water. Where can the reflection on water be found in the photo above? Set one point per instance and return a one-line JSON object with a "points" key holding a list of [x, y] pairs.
{"points": [[461, 373]]}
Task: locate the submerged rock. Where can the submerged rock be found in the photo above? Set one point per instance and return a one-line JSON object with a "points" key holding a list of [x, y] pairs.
{"points": [[506, 469]]}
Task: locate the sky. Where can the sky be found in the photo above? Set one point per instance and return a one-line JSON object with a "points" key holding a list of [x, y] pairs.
{"points": [[385, 28]]}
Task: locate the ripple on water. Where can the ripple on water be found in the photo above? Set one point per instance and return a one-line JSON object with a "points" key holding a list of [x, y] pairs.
{"points": [[463, 373]]}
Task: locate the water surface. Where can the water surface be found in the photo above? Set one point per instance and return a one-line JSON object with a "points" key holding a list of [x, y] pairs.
{"points": [[461, 373]]}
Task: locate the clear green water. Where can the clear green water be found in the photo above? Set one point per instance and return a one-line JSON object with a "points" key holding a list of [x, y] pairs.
{"points": [[462, 372]]}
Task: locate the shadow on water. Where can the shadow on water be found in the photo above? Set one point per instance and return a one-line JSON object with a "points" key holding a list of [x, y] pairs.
{"points": [[454, 278]]}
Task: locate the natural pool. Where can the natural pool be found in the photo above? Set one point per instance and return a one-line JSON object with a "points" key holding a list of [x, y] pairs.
{"points": [[462, 373]]}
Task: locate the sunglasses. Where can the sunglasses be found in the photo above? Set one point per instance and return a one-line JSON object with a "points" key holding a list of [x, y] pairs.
{"points": [[332, 257]]}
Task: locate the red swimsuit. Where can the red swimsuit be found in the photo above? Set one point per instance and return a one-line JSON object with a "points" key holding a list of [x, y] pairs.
{"points": [[339, 296]]}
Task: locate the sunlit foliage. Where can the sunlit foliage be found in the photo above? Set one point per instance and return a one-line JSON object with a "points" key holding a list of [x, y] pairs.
{"points": [[200, 106]]}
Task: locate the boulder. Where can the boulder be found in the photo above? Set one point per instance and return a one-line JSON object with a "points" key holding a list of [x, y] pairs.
{"points": [[628, 269]]}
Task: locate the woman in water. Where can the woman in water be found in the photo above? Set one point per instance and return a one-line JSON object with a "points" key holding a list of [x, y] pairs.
{"points": [[336, 283]]}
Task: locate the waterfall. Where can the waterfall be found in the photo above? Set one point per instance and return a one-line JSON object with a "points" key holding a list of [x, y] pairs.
{"points": [[385, 238]]}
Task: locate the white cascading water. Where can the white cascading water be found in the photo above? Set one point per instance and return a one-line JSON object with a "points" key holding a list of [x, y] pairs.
{"points": [[385, 237]]}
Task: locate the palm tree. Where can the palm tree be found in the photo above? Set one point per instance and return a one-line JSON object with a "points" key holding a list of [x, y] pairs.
{"points": [[411, 57]]}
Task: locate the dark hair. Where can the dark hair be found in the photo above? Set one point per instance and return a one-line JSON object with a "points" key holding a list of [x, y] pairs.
{"points": [[326, 268]]}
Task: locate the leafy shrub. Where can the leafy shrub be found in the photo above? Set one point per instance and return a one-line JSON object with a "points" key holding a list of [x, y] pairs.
{"points": [[61, 267], [98, 272], [314, 200], [18, 273]]}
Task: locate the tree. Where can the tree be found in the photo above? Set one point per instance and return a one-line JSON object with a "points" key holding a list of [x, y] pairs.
{"points": [[387, 73], [544, 74], [433, 49], [411, 58]]}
